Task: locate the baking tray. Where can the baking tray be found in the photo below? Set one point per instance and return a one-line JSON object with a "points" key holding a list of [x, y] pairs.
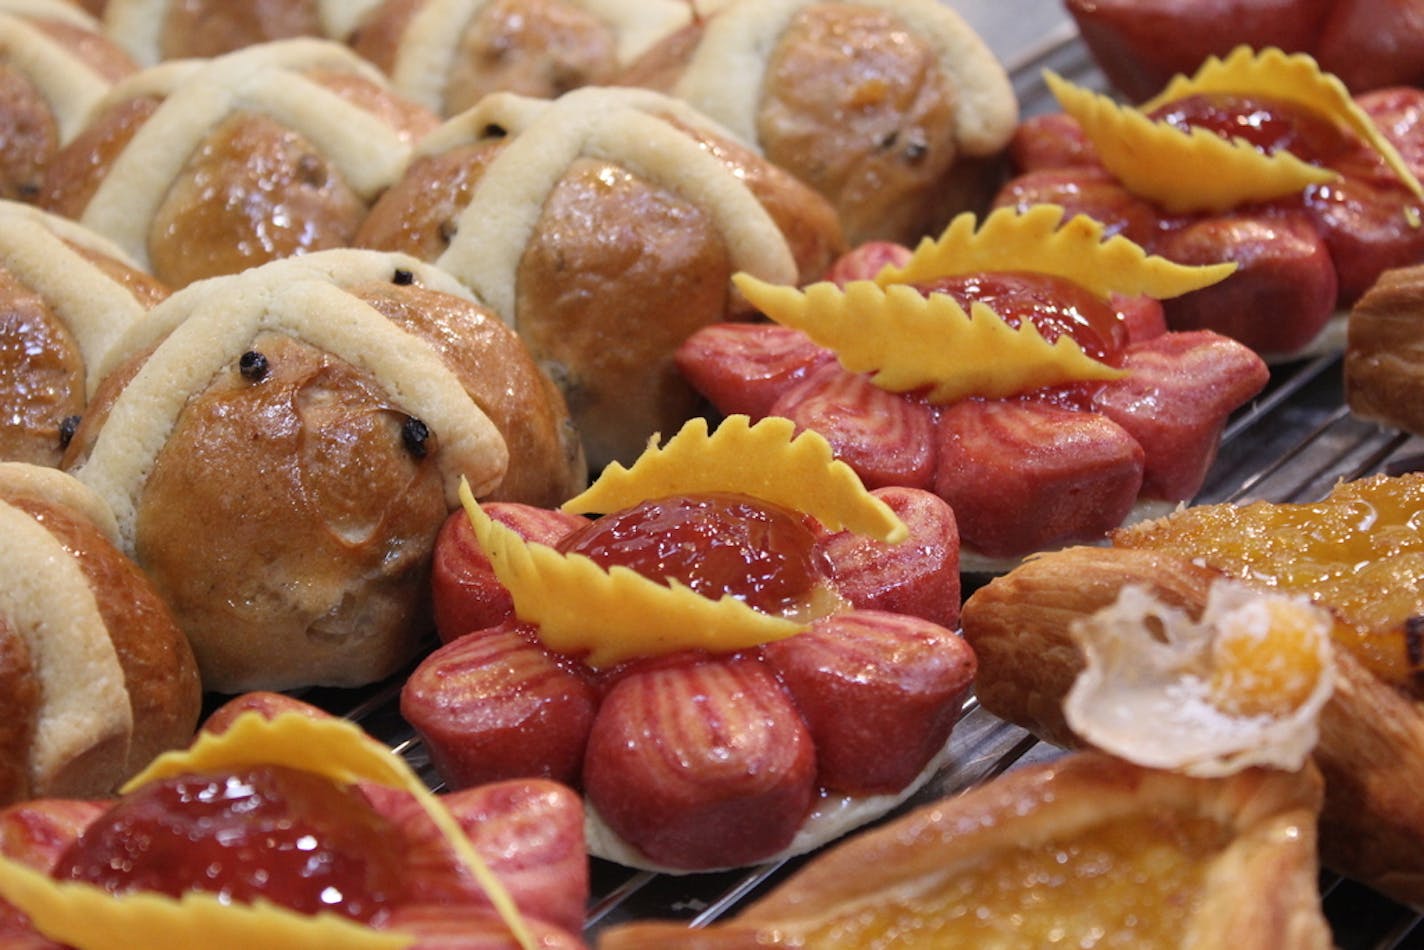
{"points": [[1292, 444]]}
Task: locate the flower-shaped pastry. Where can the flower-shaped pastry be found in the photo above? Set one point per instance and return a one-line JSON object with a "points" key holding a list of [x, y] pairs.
{"points": [[733, 662]]}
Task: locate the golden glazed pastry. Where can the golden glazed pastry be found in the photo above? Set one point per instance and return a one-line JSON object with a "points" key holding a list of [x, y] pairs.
{"points": [[604, 227], [895, 110], [1384, 351], [1087, 847], [281, 446], [66, 295], [95, 676], [449, 54], [55, 64], [198, 168], [155, 30], [1371, 745]]}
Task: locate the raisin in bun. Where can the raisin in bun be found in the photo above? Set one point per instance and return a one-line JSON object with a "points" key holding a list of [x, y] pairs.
{"points": [[604, 226], [281, 446], [55, 63], [198, 168], [156, 30], [66, 295], [449, 54], [895, 110], [97, 678]]}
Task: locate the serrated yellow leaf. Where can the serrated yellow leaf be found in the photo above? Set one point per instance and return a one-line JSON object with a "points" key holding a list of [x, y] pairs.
{"points": [[767, 460], [1183, 172], [1038, 240], [606, 617], [90, 918], [909, 341], [337, 750], [1289, 77]]}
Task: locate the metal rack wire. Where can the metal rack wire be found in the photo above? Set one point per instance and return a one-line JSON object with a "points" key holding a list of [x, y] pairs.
{"points": [[1292, 444]]}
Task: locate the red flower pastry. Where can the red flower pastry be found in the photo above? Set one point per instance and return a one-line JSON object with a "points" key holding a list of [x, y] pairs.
{"points": [[718, 662], [291, 827], [1260, 159], [1045, 417]]}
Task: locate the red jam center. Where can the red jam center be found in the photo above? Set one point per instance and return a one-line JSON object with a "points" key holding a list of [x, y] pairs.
{"points": [[716, 543], [294, 838], [1269, 125], [1056, 305]]}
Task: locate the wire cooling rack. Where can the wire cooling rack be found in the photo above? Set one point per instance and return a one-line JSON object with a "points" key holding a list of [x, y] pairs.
{"points": [[1293, 443]]}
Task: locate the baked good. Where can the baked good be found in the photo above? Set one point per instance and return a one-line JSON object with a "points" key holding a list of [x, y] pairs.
{"points": [[68, 294], [280, 447], [1313, 197], [604, 227], [1371, 746], [1113, 851], [97, 676], [449, 54], [1383, 358], [198, 168], [55, 63], [1141, 44], [733, 662], [895, 110], [157, 30], [1060, 410], [294, 808]]}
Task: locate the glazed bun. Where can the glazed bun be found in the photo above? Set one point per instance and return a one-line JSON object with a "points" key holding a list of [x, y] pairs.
{"points": [[157, 30], [895, 110], [604, 226], [97, 678], [199, 168], [66, 294], [280, 448]]}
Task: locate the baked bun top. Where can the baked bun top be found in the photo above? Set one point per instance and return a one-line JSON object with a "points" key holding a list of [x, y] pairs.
{"points": [[155, 30]]}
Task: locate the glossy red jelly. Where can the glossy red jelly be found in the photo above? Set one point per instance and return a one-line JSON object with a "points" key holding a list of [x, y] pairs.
{"points": [[1056, 305], [1269, 125], [291, 837], [716, 543]]}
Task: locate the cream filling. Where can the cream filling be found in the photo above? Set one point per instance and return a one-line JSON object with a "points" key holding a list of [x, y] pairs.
{"points": [[495, 227], [833, 817], [368, 153], [213, 322], [65, 81], [725, 77], [84, 716], [96, 308]]}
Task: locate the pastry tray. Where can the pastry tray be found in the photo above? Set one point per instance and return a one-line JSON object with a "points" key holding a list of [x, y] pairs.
{"points": [[1292, 444]]}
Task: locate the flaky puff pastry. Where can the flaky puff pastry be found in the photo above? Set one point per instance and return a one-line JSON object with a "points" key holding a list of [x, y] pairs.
{"points": [[1086, 845], [605, 227], [199, 168], [280, 447], [66, 295], [1371, 745], [1384, 351], [55, 64], [95, 676], [895, 110]]}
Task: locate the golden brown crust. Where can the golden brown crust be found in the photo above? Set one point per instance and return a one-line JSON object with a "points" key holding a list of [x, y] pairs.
{"points": [[202, 28], [546, 464], [1257, 863], [76, 171], [377, 36], [30, 132], [1371, 746], [417, 215], [159, 670], [89, 46], [43, 369], [20, 687], [145, 288], [1384, 351]]}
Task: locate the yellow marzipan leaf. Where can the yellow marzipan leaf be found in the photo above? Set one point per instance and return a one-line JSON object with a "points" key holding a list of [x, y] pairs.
{"points": [[1182, 171], [1290, 77], [606, 617], [767, 460], [90, 918], [909, 341], [1038, 240]]}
